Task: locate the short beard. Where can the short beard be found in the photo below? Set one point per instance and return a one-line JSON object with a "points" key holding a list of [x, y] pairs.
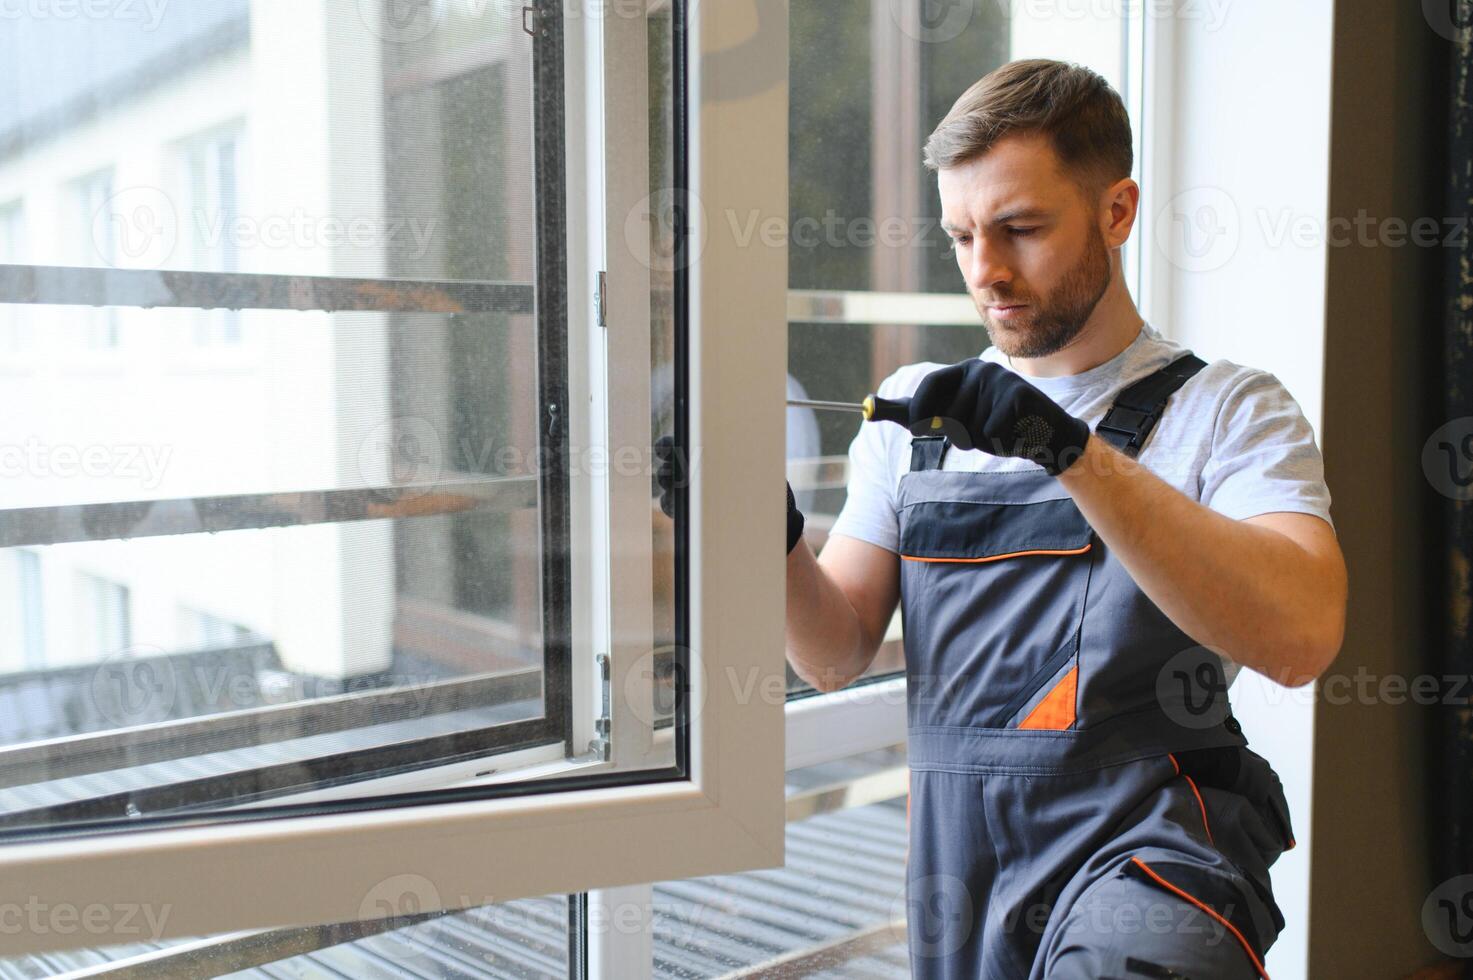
{"points": [[1059, 319]]}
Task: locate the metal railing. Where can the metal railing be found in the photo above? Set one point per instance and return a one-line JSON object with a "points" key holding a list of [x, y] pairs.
{"points": [[35, 526], [856, 306], [57, 285]]}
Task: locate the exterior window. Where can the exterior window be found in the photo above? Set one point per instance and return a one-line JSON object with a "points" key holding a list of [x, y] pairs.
{"points": [[201, 630], [101, 234], [14, 335], [22, 617], [104, 624], [211, 216]]}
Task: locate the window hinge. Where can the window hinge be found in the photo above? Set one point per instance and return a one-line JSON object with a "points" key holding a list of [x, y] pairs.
{"points": [[600, 744], [601, 298], [599, 747]]}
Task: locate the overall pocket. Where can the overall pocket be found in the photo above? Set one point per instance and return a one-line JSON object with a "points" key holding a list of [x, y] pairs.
{"points": [[1240, 770], [1215, 896], [1239, 790], [994, 593]]}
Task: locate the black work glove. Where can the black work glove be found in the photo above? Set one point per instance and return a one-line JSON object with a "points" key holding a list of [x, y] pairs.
{"points": [[985, 406], [795, 521], [667, 477]]}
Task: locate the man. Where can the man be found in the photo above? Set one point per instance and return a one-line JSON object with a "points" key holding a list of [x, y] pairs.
{"points": [[1075, 588], [1090, 531]]}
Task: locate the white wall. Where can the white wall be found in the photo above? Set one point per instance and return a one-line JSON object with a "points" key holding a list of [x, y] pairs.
{"points": [[1242, 155], [1083, 31]]}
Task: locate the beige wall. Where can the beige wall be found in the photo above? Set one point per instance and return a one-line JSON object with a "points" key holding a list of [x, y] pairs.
{"points": [[1369, 877]]}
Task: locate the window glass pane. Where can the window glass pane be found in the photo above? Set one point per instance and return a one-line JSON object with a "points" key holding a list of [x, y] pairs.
{"points": [[274, 541], [323, 648], [869, 82], [319, 401], [867, 92]]}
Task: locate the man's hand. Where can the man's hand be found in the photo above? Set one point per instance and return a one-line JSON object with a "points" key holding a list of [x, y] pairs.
{"points": [[985, 406], [669, 474]]}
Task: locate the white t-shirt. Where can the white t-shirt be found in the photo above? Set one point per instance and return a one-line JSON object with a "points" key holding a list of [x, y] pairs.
{"points": [[1231, 438]]}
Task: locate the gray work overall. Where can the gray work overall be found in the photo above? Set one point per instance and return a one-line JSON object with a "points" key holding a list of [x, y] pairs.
{"points": [[1083, 803]]}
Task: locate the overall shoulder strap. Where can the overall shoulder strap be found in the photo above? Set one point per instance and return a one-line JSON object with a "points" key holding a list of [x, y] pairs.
{"points": [[927, 452], [1137, 409]]}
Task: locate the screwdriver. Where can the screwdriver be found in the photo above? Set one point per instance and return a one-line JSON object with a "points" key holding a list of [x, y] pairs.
{"points": [[873, 408]]}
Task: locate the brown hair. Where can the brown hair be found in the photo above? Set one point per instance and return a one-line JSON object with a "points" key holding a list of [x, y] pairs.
{"points": [[1077, 109]]}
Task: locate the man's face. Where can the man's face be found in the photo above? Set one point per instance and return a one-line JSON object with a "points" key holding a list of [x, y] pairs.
{"points": [[1031, 250]]}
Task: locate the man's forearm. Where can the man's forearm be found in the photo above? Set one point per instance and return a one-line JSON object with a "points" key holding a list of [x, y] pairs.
{"points": [[826, 643], [1249, 591]]}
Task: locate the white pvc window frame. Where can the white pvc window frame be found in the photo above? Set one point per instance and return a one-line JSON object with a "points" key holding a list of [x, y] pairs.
{"points": [[729, 814]]}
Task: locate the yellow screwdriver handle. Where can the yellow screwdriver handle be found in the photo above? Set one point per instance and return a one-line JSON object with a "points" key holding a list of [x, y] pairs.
{"points": [[877, 409]]}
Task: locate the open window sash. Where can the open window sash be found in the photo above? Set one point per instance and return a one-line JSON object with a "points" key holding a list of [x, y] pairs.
{"points": [[724, 811]]}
